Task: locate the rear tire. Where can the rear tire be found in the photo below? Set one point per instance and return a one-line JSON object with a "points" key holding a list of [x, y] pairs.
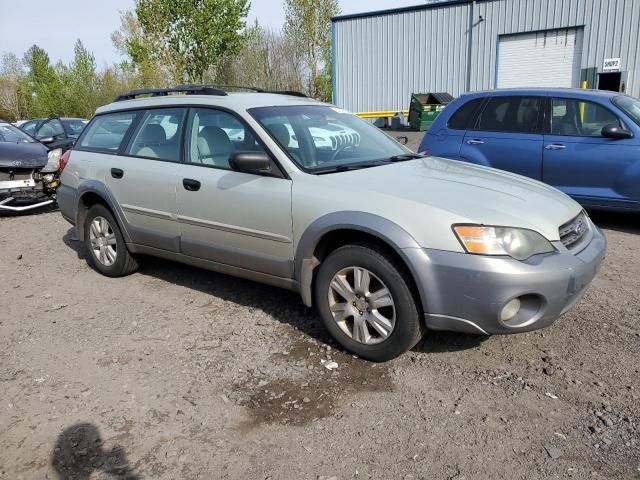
{"points": [[365, 300], [106, 249]]}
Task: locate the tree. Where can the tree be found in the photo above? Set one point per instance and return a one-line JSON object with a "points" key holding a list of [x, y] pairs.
{"points": [[80, 83], [13, 88], [308, 24], [130, 40], [191, 38], [44, 83], [269, 60]]}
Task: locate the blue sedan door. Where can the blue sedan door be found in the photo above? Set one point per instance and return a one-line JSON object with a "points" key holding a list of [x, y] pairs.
{"points": [[507, 136], [595, 170]]}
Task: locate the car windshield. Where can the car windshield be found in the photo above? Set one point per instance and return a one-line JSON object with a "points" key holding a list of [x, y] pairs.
{"points": [[323, 139], [629, 105], [11, 134], [74, 126]]}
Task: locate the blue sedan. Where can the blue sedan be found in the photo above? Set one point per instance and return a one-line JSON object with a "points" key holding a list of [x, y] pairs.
{"points": [[583, 142]]}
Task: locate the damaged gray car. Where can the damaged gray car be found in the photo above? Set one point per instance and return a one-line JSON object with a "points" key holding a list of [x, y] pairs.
{"points": [[29, 171]]}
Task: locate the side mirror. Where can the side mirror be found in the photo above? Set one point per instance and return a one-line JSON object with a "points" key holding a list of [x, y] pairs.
{"points": [[615, 132], [257, 163], [46, 140], [403, 140]]}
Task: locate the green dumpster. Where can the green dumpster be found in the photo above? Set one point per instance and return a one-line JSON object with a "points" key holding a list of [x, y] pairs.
{"points": [[425, 107]]}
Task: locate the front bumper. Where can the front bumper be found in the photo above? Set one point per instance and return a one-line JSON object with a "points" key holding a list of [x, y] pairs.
{"points": [[466, 293]]}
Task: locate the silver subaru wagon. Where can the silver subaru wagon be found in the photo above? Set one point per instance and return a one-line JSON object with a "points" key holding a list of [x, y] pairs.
{"points": [[281, 189]]}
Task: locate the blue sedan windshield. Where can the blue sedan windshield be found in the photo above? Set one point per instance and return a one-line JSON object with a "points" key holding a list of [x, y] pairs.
{"points": [[629, 105], [11, 134]]}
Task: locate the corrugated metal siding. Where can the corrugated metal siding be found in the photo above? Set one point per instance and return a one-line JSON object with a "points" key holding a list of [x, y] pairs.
{"points": [[381, 59]]}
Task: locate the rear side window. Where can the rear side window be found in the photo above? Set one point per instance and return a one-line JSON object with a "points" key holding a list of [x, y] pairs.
{"points": [[511, 114], [462, 118], [29, 127], [106, 132], [158, 136]]}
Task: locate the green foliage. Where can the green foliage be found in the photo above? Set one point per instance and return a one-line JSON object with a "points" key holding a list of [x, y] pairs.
{"points": [[172, 42], [191, 37], [308, 24]]}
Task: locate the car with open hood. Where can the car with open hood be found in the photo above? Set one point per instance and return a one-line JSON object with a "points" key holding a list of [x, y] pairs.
{"points": [[384, 243]]}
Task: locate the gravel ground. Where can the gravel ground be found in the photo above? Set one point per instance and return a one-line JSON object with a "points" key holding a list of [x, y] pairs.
{"points": [[179, 373]]}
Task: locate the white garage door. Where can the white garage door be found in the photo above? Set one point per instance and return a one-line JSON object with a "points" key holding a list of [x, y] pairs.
{"points": [[543, 59]]}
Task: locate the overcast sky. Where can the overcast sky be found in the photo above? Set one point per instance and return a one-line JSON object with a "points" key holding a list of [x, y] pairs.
{"points": [[55, 26]]}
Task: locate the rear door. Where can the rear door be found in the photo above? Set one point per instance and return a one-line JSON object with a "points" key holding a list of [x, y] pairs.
{"points": [[582, 163], [507, 135], [135, 154], [445, 137]]}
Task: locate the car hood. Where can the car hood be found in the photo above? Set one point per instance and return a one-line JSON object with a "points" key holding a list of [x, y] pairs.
{"points": [[22, 155], [463, 193]]}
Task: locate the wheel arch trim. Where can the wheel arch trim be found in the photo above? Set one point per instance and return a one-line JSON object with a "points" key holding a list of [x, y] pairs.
{"points": [[101, 190], [379, 227]]}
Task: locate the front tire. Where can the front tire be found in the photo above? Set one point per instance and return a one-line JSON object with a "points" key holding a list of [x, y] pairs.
{"points": [[106, 249], [366, 303]]}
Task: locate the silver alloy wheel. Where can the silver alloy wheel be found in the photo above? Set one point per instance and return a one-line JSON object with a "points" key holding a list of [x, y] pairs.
{"points": [[103, 241], [364, 315]]}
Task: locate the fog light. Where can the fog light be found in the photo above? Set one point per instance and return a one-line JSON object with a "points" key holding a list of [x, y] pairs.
{"points": [[510, 310]]}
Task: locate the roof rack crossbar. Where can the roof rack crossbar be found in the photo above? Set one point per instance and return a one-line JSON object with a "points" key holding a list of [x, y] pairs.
{"points": [[162, 92]]}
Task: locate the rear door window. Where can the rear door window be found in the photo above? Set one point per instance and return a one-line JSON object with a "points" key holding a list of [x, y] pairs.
{"points": [[106, 132], [511, 114], [463, 117], [158, 135]]}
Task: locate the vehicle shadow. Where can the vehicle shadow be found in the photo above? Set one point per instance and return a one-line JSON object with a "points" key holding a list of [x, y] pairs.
{"points": [[283, 305], [618, 221], [78, 454]]}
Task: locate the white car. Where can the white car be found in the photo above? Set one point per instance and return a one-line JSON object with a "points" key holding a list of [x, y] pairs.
{"points": [[383, 242]]}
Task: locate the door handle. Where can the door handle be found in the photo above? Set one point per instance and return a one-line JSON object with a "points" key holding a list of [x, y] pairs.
{"points": [[555, 146], [475, 141], [117, 173], [190, 184]]}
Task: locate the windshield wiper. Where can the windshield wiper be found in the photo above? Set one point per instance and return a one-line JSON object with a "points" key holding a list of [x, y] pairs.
{"points": [[347, 168], [404, 157]]}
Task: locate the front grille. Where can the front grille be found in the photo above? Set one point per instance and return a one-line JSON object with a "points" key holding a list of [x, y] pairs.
{"points": [[571, 233], [15, 174]]}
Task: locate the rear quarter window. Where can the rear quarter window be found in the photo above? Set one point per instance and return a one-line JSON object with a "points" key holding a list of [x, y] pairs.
{"points": [[106, 132], [464, 116]]}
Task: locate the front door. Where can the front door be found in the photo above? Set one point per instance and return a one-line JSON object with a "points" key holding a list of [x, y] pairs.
{"points": [[506, 136], [582, 163], [233, 218]]}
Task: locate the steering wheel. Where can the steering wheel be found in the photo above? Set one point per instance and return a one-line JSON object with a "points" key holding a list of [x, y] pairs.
{"points": [[339, 150]]}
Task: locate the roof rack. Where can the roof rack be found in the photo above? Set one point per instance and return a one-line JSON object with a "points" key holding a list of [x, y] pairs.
{"points": [[163, 92], [260, 90]]}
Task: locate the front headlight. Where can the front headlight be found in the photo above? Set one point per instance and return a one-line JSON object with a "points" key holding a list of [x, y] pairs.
{"points": [[53, 162], [518, 243]]}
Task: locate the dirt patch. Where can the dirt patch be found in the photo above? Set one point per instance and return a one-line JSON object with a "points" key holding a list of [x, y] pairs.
{"points": [[317, 392]]}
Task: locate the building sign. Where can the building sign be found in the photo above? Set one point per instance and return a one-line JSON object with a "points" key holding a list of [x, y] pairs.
{"points": [[611, 65]]}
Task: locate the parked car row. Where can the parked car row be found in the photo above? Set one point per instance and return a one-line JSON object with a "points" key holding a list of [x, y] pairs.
{"points": [[383, 242], [31, 152]]}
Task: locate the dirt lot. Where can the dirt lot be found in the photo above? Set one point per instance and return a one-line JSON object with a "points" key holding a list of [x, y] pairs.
{"points": [[178, 373]]}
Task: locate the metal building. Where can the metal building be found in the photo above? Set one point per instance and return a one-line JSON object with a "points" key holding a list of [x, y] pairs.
{"points": [[380, 58]]}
